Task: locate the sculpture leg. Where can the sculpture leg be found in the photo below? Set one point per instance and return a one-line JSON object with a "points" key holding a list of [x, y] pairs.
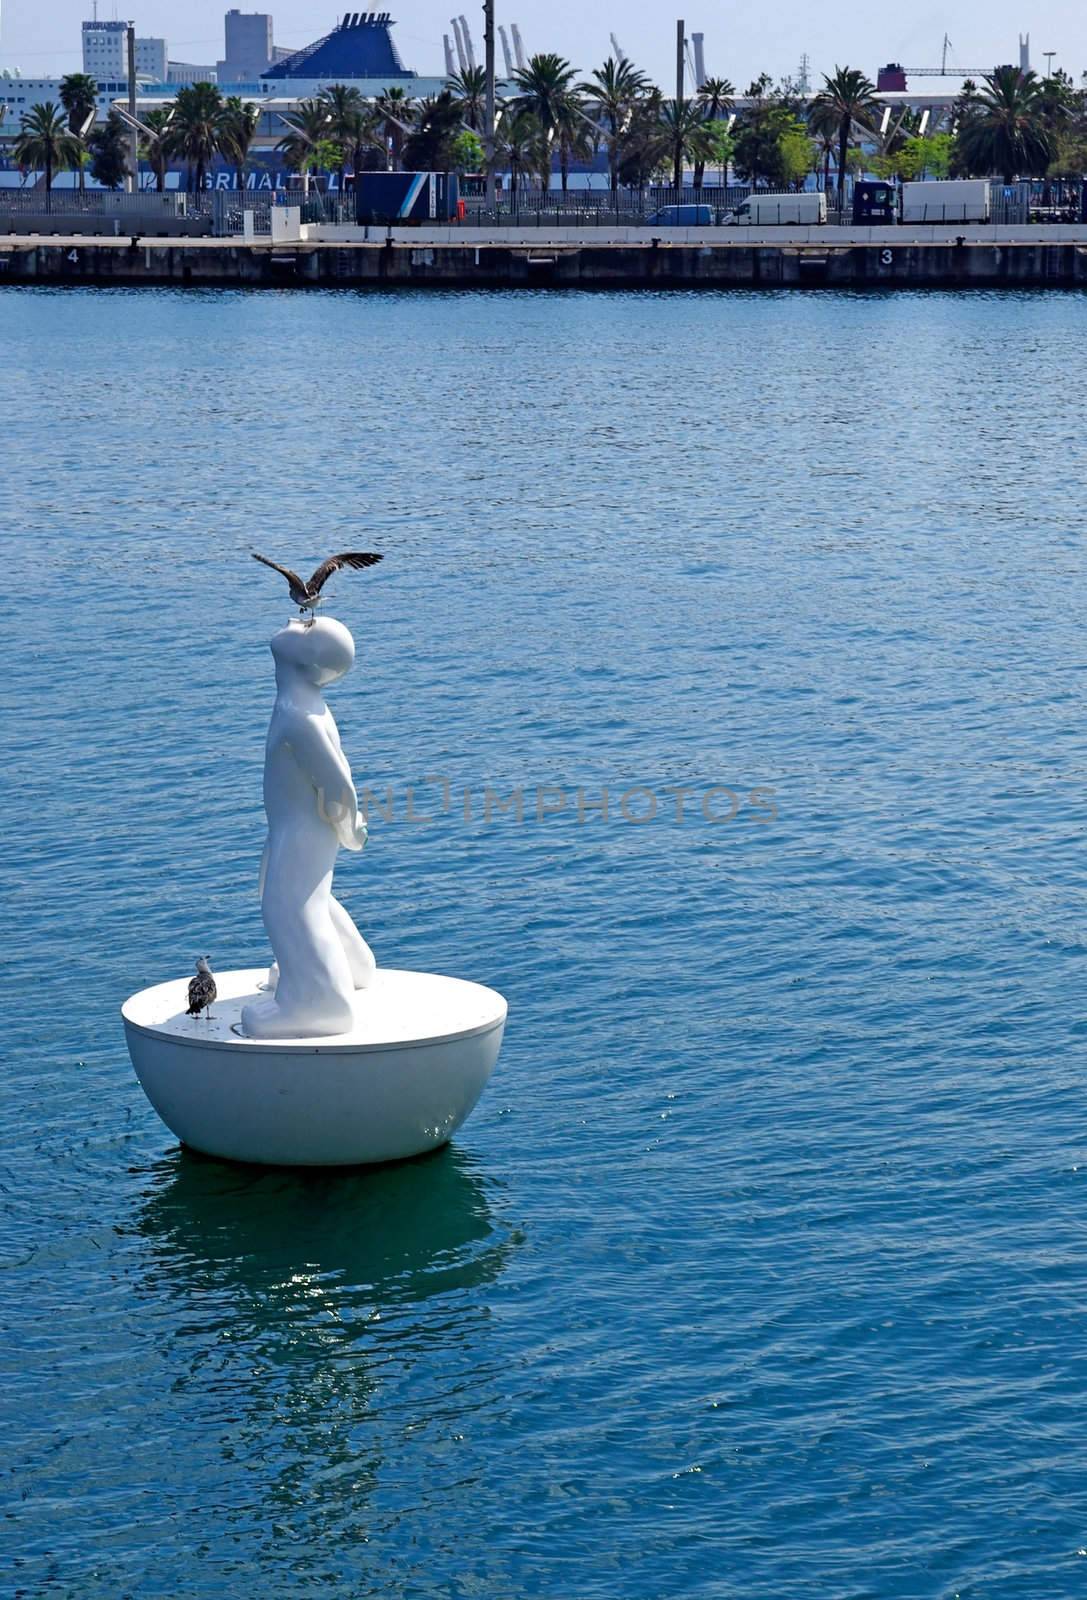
{"points": [[314, 985], [360, 958]]}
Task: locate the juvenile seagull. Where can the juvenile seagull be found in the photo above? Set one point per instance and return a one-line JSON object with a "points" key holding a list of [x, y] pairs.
{"points": [[307, 596], [202, 990]]}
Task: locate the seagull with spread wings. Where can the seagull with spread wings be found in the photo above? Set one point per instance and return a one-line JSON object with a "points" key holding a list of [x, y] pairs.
{"points": [[308, 596]]}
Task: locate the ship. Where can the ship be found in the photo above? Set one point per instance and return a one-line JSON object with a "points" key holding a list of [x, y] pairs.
{"points": [[360, 46]]}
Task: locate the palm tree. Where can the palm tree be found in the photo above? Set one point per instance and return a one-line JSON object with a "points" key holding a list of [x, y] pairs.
{"points": [[716, 96], [309, 128], [428, 148], [397, 112], [646, 147], [155, 149], [546, 94], [684, 124], [577, 134], [519, 143], [823, 126], [614, 89], [45, 140], [851, 98], [110, 152], [198, 110], [351, 124], [79, 97], [238, 126], [1005, 131], [469, 90]]}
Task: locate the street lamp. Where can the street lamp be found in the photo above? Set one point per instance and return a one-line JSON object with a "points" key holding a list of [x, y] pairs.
{"points": [[488, 102]]}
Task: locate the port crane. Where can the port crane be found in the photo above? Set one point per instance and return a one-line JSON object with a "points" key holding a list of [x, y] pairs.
{"points": [[943, 70]]}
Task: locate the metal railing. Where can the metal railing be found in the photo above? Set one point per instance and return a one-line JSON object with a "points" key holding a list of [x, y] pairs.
{"points": [[93, 202], [228, 209], [232, 213], [589, 208]]}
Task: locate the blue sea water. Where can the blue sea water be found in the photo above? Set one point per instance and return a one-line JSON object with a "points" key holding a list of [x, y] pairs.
{"points": [[760, 1272]]}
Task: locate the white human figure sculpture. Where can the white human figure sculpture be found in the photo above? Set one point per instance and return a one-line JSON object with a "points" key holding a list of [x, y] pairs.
{"points": [[312, 809]]}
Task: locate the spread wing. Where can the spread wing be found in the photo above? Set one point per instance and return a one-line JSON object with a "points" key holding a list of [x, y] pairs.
{"points": [[349, 558], [291, 577]]}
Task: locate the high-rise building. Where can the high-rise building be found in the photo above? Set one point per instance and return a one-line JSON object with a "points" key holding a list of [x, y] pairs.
{"points": [[105, 54], [249, 50]]}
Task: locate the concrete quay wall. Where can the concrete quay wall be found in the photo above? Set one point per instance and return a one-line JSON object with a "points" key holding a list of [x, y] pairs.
{"points": [[411, 260]]}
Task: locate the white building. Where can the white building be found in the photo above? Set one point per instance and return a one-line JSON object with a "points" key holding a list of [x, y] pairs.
{"points": [[105, 53]]}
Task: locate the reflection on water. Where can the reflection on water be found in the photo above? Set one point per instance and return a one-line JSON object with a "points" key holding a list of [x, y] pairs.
{"points": [[306, 1294], [390, 1235]]}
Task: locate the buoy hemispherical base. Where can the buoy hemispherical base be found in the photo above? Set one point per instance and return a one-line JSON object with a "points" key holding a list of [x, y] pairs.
{"points": [[400, 1083]]}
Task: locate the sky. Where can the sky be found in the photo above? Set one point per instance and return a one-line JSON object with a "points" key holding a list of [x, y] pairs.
{"points": [[44, 39]]}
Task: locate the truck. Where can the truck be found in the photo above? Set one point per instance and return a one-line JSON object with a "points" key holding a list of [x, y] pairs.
{"points": [[758, 210], [946, 200], [407, 198]]}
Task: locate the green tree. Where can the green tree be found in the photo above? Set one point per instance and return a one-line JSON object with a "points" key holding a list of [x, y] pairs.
{"points": [[758, 134], [327, 155], [613, 92], [930, 157], [155, 149], [109, 150], [891, 159], [198, 110], [1058, 106], [79, 97], [467, 151], [1058, 102], [799, 154], [469, 91], [850, 98], [1005, 131], [45, 140]]}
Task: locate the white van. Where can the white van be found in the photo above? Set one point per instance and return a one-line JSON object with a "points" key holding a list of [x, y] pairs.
{"points": [[761, 210], [946, 200]]}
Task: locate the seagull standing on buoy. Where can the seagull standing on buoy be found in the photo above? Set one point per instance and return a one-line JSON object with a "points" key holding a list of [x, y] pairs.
{"points": [[202, 990], [307, 596]]}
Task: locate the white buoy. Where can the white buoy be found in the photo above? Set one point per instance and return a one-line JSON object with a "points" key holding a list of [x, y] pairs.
{"points": [[326, 1059], [402, 1081]]}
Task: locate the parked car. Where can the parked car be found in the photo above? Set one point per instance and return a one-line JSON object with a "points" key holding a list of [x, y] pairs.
{"points": [[683, 217]]}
